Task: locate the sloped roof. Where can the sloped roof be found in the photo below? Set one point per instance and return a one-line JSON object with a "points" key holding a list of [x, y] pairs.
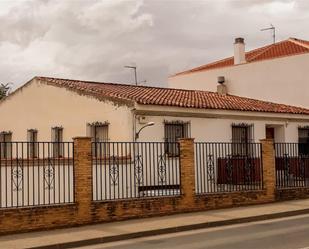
{"points": [[289, 47], [172, 97]]}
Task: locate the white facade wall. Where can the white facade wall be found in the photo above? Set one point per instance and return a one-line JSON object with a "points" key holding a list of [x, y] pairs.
{"points": [[220, 130], [40, 106], [282, 80]]}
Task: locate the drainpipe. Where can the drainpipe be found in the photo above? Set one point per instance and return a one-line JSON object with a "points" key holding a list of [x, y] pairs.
{"points": [[133, 124]]}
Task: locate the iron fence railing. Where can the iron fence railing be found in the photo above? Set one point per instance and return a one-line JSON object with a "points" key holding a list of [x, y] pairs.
{"points": [[31, 174], [124, 170], [227, 167], [292, 165]]}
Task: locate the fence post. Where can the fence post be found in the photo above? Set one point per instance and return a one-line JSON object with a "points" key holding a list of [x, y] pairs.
{"points": [[187, 171], [83, 177], [269, 174]]}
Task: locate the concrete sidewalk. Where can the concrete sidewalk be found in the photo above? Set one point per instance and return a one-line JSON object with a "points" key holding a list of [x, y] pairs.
{"points": [[99, 233]]}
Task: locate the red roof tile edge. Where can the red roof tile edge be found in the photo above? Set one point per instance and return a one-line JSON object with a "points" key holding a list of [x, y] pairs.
{"points": [[254, 55], [146, 95]]}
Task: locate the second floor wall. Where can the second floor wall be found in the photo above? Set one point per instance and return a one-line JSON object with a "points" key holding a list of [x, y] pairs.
{"points": [[282, 80]]}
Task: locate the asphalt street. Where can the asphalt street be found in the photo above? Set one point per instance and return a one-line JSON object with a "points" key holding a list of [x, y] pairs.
{"points": [[286, 233]]}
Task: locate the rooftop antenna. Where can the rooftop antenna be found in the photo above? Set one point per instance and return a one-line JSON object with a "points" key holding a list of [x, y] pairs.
{"points": [[273, 28], [135, 74]]}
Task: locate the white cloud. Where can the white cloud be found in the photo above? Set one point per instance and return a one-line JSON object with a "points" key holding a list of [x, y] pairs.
{"points": [[94, 39], [275, 8]]}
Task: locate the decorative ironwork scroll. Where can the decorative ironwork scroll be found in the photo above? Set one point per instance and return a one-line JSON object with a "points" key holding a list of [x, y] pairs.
{"points": [[17, 177], [286, 164], [138, 169], [229, 169], [162, 169], [49, 175], [248, 170], [302, 159], [114, 170], [210, 168]]}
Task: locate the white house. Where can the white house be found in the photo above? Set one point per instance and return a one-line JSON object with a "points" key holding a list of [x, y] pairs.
{"points": [[277, 72], [56, 110], [49, 109]]}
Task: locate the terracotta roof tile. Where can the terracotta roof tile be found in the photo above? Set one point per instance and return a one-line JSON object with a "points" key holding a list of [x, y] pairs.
{"points": [[172, 97], [292, 46]]}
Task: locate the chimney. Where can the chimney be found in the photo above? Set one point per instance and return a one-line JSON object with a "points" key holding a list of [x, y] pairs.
{"points": [[221, 87], [239, 51]]}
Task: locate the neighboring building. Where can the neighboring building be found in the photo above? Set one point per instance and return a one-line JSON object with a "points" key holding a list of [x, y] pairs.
{"points": [[49, 109], [277, 72]]}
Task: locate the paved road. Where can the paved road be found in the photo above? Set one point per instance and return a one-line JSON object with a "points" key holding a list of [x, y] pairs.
{"points": [[287, 233]]}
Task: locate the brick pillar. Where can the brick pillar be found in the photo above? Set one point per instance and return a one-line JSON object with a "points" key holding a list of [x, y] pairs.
{"points": [[187, 172], [269, 172], [83, 177]]}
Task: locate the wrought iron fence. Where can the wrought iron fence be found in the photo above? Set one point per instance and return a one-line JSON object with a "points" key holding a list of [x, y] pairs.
{"points": [[124, 170], [31, 174], [292, 165], [227, 167]]}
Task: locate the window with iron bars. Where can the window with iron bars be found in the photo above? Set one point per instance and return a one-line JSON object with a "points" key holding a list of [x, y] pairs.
{"points": [[98, 131], [32, 138], [6, 144], [303, 140], [242, 136], [57, 139], [173, 130]]}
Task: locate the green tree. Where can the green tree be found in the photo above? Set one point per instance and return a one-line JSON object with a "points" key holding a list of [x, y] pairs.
{"points": [[4, 90]]}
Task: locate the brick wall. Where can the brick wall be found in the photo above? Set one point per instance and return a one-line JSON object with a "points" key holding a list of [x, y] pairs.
{"points": [[86, 211], [37, 218], [268, 162], [83, 178], [292, 194]]}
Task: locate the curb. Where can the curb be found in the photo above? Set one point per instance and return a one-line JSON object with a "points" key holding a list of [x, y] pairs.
{"points": [[101, 240]]}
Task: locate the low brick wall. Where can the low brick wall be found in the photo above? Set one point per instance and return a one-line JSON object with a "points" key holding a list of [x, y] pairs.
{"points": [[37, 218], [292, 194], [227, 200], [47, 217], [135, 208], [149, 207]]}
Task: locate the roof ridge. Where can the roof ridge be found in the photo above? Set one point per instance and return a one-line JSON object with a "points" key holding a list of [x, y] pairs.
{"points": [[122, 84], [207, 64], [98, 82], [299, 42], [263, 50], [85, 81], [266, 46]]}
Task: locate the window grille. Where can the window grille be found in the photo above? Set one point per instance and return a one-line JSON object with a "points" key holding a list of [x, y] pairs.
{"points": [[303, 141], [98, 131], [57, 139], [6, 144], [242, 135], [172, 132], [32, 138]]}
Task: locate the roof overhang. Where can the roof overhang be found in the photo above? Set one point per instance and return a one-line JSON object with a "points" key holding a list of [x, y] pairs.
{"points": [[155, 110]]}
